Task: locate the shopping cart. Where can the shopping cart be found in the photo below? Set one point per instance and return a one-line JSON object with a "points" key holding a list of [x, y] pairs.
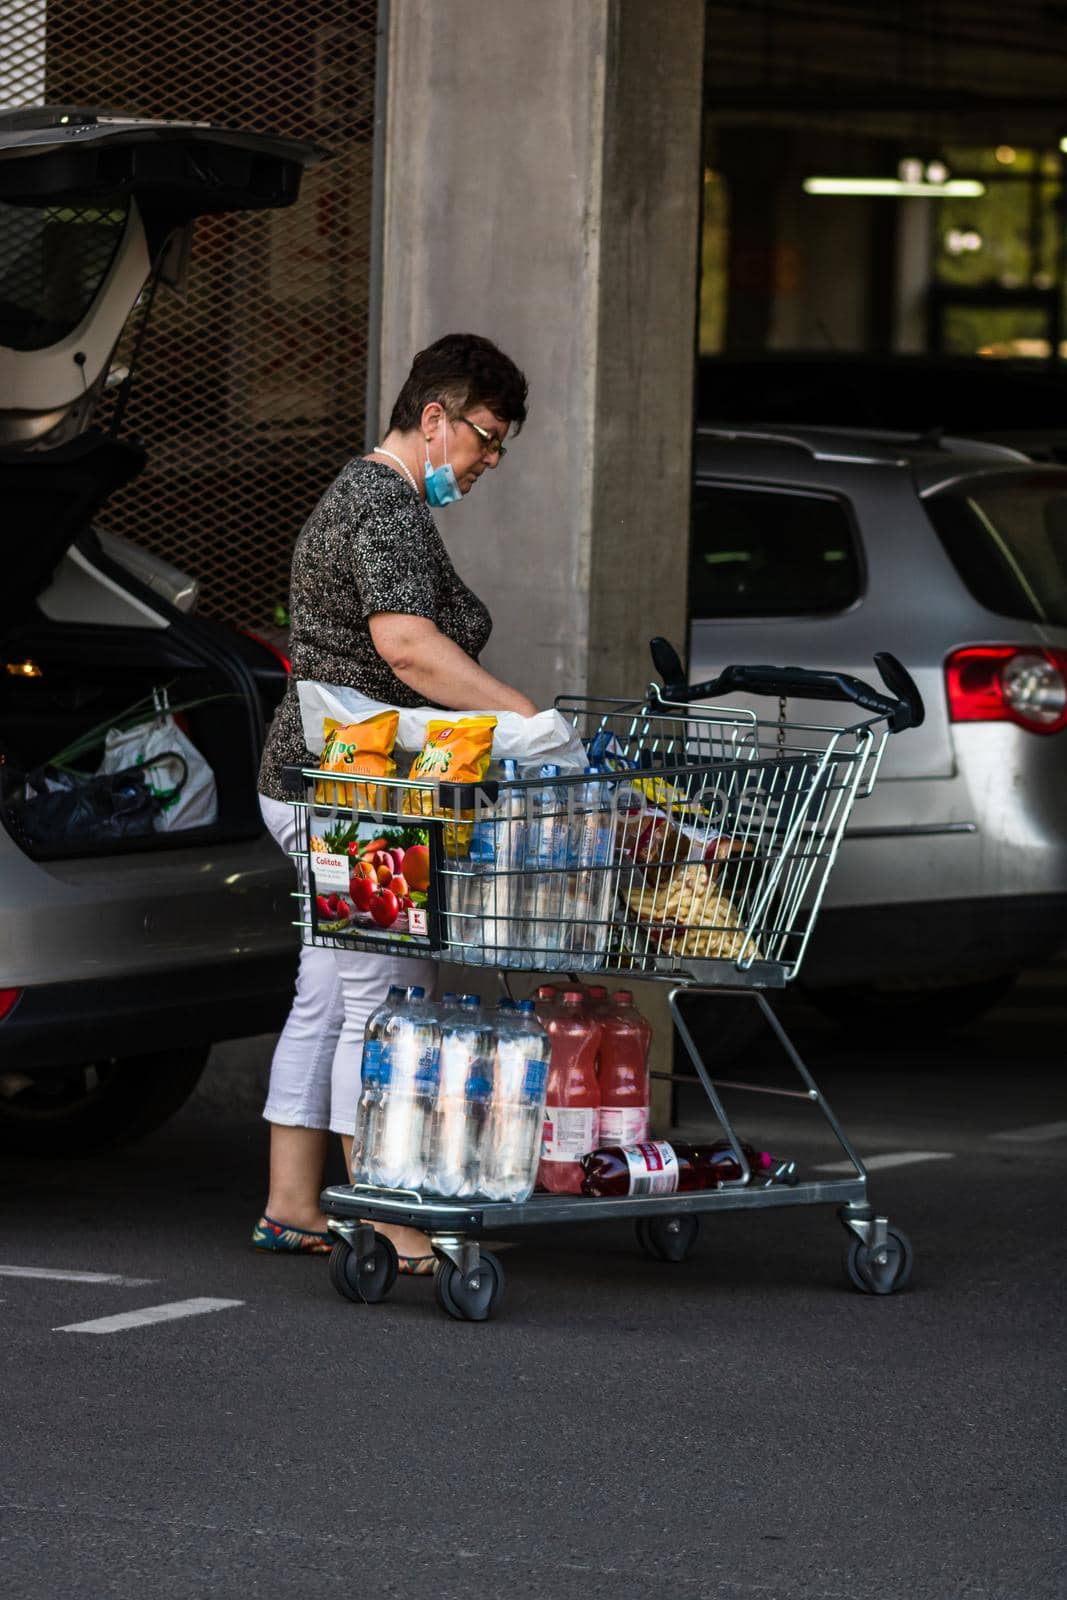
{"points": [[705, 838]]}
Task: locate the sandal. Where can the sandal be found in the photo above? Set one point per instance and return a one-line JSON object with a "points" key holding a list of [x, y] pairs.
{"points": [[270, 1235], [416, 1266]]}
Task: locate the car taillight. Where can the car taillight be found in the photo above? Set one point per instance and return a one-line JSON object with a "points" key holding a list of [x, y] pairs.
{"points": [[279, 655], [1023, 684], [8, 1001]]}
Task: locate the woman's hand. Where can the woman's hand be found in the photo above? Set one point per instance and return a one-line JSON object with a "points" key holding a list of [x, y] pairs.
{"points": [[435, 667]]}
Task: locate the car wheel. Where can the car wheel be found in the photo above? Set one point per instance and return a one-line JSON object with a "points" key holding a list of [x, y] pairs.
{"points": [[889, 1014], [76, 1110]]}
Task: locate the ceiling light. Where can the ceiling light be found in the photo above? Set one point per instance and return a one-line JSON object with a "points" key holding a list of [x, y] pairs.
{"points": [[1005, 154], [23, 669], [897, 188]]}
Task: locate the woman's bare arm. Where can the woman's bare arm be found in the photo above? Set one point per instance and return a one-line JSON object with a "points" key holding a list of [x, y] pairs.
{"points": [[430, 663]]}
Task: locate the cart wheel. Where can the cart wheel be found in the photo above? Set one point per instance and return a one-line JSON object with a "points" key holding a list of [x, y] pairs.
{"points": [[365, 1279], [871, 1275], [667, 1238], [471, 1296]]}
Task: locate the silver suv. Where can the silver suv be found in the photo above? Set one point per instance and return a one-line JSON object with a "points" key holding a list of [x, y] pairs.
{"points": [[121, 961], [816, 548]]}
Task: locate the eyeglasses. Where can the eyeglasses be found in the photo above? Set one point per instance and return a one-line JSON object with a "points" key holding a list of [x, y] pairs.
{"points": [[489, 440]]}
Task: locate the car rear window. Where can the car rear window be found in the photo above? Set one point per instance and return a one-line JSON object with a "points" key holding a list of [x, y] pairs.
{"points": [[770, 553], [1007, 539], [53, 260]]}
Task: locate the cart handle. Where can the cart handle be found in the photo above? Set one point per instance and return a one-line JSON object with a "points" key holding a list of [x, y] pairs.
{"points": [[902, 707]]}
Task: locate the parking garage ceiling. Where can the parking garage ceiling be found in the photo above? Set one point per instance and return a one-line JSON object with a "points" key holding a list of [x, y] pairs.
{"points": [[944, 69]]}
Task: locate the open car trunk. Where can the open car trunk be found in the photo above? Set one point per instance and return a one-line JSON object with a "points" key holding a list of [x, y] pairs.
{"points": [[92, 206], [61, 676]]}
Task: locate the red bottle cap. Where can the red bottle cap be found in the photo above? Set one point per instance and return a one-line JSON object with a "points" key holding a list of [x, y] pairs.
{"points": [[547, 991], [598, 992], [574, 997], [623, 997]]}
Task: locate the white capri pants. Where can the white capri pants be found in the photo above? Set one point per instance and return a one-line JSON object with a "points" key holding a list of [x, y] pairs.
{"points": [[315, 1073]]}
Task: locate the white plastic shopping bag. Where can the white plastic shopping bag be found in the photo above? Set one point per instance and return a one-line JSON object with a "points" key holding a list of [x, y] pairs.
{"points": [[176, 771], [531, 741]]}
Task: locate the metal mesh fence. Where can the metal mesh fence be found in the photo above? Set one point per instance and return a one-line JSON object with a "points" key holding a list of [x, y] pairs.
{"points": [[251, 394]]}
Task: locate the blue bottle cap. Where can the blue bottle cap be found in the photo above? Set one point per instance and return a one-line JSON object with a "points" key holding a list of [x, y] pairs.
{"points": [[450, 998], [550, 770], [528, 1007], [416, 992], [506, 1005], [471, 1001], [478, 1088], [511, 770]]}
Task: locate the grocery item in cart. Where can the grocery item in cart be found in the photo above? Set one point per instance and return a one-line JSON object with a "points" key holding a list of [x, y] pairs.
{"points": [[364, 747], [549, 924], [690, 915], [456, 751], [464, 1086], [372, 881], [485, 888], [623, 1071], [512, 1143], [675, 889], [548, 736], [411, 1046], [590, 887], [503, 886], [370, 1097], [572, 1104], [656, 1167]]}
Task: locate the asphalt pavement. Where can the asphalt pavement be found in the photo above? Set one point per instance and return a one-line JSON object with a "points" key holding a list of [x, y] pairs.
{"points": [[742, 1426]]}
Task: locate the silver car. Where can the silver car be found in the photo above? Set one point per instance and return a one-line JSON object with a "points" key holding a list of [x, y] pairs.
{"points": [[815, 548], [121, 960]]}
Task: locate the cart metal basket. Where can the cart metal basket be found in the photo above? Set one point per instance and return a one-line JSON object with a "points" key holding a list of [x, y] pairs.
{"points": [[697, 853]]}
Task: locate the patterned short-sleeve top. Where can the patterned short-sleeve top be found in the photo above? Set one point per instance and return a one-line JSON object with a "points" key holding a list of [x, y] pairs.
{"points": [[369, 545]]}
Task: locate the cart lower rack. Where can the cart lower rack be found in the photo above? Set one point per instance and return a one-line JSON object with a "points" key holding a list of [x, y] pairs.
{"points": [[696, 854]]}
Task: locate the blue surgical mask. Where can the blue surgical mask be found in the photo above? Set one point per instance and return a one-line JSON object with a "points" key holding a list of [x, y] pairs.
{"points": [[441, 486]]}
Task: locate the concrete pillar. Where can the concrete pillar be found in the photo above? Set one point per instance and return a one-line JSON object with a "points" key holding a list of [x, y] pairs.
{"points": [[542, 187]]}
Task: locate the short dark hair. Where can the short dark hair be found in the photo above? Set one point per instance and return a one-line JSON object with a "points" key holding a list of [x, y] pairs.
{"points": [[460, 371]]}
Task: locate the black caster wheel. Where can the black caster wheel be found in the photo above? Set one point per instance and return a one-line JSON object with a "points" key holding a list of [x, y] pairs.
{"points": [[667, 1238], [368, 1279], [883, 1270], [469, 1296]]}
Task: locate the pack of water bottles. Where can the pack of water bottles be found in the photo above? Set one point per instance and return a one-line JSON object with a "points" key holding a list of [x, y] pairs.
{"points": [[535, 890], [453, 1097]]}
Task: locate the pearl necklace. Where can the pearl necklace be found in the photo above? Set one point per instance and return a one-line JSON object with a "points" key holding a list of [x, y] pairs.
{"points": [[380, 451]]}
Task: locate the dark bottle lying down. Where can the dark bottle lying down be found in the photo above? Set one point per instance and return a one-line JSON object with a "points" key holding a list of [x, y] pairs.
{"points": [[657, 1167]]}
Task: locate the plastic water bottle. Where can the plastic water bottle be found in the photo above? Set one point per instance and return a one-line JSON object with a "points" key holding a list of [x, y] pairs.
{"points": [[520, 1077], [371, 1074], [547, 854], [591, 886], [505, 883], [410, 1063], [457, 1126]]}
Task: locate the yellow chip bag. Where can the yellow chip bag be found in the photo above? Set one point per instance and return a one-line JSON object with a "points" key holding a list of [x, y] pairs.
{"points": [[454, 752], [358, 747]]}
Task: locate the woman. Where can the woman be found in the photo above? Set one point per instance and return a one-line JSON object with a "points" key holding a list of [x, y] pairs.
{"points": [[377, 605]]}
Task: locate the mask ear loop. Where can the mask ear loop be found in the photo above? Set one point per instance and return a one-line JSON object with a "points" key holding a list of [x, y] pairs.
{"points": [[429, 468]]}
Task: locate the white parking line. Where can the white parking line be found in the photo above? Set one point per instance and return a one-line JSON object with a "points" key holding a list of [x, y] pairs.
{"points": [[55, 1274], [1037, 1134], [138, 1319], [895, 1158]]}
